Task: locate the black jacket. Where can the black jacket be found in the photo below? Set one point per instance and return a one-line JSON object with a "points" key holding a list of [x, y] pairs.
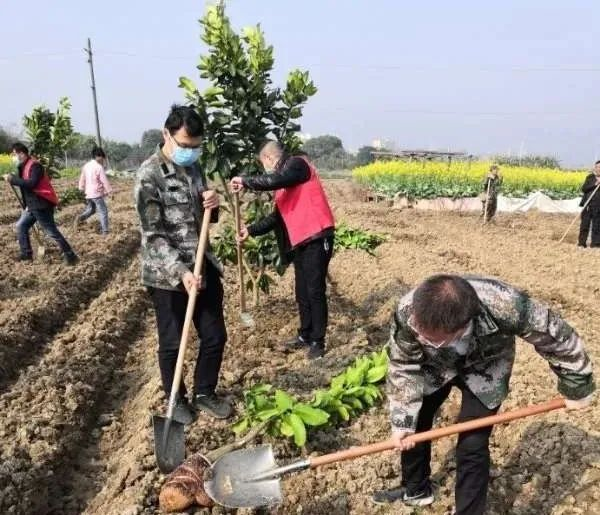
{"points": [[588, 187], [290, 171], [32, 201]]}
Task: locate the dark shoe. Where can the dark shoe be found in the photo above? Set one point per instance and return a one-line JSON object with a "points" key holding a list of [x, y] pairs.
{"points": [[297, 343], [24, 257], [423, 498], [71, 259], [184, 412], [213, 405], [316, 350]]}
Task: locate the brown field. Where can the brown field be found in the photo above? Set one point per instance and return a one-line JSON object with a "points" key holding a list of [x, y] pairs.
{"points": [[79, 379]]}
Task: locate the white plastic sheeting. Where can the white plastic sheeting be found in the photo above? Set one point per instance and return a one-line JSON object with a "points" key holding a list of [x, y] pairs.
{"points": [[536, 200]]}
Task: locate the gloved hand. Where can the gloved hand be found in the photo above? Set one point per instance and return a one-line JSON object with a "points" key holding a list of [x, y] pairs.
{"points": [[572, 404]]}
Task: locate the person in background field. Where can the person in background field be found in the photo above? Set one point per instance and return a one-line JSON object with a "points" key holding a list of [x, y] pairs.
{"points": [[40, 200], [493, 181], [94, 183], [170, 197], [304, 227], [590, 216], [454, 331]]}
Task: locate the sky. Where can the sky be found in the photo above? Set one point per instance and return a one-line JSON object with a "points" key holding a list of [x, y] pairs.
{"points": [[518, 76]]}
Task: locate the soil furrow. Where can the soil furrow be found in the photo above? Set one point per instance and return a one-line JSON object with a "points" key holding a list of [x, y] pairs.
{"points": [[25, 329], [51, 409]]}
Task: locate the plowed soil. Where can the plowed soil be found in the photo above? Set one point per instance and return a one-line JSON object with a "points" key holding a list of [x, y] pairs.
{"points": [[79, 379]]}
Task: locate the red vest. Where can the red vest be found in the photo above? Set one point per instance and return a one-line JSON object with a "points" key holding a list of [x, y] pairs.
{"points": [[44, 187], [304, 208]]}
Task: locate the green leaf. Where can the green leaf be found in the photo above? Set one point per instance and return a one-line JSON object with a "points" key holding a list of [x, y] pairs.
{"points": [[284, 401], [354, 402], [188, 85], [240, 426], [299, 429], [311, 416], [343, 412], [376, 374], [338, 381], [260, 388], [286, 426], [267, 414], [354, 376]]}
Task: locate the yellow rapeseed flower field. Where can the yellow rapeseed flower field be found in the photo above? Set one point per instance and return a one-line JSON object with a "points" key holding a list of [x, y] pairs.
{"points": [[462, 179], [6, 164]]}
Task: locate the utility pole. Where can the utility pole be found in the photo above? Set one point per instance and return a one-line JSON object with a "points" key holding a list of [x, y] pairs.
{"points": [[88, 51]]}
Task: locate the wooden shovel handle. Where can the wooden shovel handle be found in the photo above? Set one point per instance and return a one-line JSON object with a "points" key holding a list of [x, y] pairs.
{"points": [[189, 313], [434, 434], [238, 228]]}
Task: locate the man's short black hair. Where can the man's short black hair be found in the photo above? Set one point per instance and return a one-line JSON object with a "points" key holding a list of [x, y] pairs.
{"points": [[597, 162], [445, 303], [98, 152], [19, 147], [184, 116]]}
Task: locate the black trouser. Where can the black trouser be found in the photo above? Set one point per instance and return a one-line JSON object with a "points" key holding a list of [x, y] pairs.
{"points": [[491, 205], [170, 307], [472, 452], [310, 266], [589, 218]]}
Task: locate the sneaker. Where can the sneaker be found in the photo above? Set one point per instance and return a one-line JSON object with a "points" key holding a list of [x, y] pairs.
{"points": [[316, 350], [213, 405], [24, 257], [71, 259], [423, 498], [184, 412], [296, 343]]}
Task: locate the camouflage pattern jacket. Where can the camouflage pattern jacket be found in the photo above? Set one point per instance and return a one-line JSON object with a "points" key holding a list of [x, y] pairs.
{"points": [[169, 204], [494, 183], [416, 370]]}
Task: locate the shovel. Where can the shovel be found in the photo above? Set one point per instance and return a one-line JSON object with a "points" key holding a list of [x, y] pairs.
{"points": [[246, 317], [169, 440], [41, 250], [249, 478], [579, 214], [487, 201]]}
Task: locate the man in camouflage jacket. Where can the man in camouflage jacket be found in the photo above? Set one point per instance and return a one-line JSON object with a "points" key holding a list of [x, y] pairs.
{"points": [[460, 331], [170, 196]]}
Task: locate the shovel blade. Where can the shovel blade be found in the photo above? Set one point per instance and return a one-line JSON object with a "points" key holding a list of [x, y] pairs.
{"points": [[229, 482], [169, 443]]}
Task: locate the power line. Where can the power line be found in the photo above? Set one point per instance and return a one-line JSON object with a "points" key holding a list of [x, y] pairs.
{"points": [[351, 66]]}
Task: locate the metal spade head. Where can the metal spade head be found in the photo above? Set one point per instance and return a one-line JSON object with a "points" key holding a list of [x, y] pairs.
{"points": [[169, 443], [230, 480]]}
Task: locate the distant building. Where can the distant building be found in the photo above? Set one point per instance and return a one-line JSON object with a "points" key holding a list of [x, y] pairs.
{"points": [[381, 144]]}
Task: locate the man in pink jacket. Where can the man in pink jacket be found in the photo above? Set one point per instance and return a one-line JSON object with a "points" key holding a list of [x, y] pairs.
{"points": [[95, 185]]}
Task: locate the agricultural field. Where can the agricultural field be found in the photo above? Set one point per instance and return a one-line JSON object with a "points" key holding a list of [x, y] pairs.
{"points": [[79, 379], [418, 180]]}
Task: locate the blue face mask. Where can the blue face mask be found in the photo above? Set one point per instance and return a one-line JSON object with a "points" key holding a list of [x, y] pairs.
{"points": [[184, 156]]}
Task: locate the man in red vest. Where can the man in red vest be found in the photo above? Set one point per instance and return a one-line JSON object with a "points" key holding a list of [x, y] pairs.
{"points": [[40, 199], [304, 228]]}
